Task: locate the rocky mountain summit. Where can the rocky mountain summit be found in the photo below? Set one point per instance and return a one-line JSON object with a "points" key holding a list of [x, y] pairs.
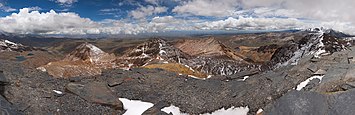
{"points": [[6, 45], [311, 73], [85, 60]]}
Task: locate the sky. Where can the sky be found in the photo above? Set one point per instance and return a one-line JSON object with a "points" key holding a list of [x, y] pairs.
{"points": [[78, 17]]}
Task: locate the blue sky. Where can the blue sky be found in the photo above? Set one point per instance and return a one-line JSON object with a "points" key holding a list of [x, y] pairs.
{"points": [[96, 10], [144, 16]]}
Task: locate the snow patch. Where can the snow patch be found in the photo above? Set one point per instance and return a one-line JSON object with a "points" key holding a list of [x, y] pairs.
{"points": [[135, 107], [145, 55], [259, 111], [9, 42], [304, 83], [94, 49], [189, 68], [173, 109], [231, 111], [196, 77], [161, 52], [57, 92], [244, 78], [42, 69]]}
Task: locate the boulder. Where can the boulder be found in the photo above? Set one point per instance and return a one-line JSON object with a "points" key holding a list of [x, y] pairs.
{"points": [[320, 72], [298, 103], [95, 92], [3, 80], [343, 103], [6, 108]]}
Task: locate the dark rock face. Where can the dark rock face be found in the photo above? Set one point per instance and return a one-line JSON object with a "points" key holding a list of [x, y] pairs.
{"points": [[283, 54], [342, 103], [333, 44], [316, 43], [299, 103], [97, 93], [312, 103]]}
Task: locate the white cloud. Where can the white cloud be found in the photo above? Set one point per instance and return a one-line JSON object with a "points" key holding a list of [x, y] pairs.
{"points": [[6, 8], [109, 10], [35, 8], [35, 22], [219, 8], [252, 24], [149, 10], [152, 1], [66, 2]]}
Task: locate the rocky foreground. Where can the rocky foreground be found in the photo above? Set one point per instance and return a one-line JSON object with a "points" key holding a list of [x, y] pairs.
{"points": [[310, 75]]}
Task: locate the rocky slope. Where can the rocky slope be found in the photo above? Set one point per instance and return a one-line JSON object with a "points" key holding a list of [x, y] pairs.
{"points": [[153, 51], [208, 47], [317, 43], [85, 60]]}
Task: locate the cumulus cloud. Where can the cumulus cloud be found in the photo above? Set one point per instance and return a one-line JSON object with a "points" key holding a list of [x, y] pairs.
{"points": [[6, 8], [27, 21], [152, 1], [324, 12], [34, 22], [207, 7], [149, 10], [252, 24]]}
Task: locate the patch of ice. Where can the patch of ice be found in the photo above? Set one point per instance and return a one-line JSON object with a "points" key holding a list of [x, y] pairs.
{"points": [[259, 111], [9, 42], [304, 83], [209, 76], [196, 77], [189, 68], [159, 58], [161, 52], [130, 65], [145, 55], [231, 111], [244, 78], [94, 49], [57, 92], [135, 107], [173, 109], [319, 52], [42, 69]]}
